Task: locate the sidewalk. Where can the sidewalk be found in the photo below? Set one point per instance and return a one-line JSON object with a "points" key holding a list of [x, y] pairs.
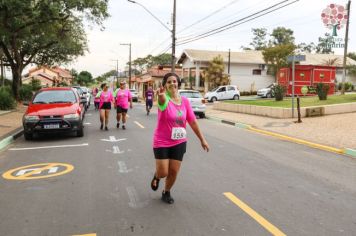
{"points": [[337, 131], [10, 125]]}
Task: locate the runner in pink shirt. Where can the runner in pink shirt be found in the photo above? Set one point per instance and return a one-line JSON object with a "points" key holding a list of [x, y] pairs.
{"points": [[169, 141], [122, 98], [105, 100]]}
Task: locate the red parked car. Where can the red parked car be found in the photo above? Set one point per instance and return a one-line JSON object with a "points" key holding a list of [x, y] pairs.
{"points": [[54, 110]]}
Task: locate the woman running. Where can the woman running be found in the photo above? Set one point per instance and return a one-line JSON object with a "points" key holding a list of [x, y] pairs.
{"points": [[122, 98], [106, 98], [170, 141]]}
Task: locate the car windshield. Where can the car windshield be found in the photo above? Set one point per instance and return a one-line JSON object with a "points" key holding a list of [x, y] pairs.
{"points": [[214, 89], [54, 96], [189, 94]]}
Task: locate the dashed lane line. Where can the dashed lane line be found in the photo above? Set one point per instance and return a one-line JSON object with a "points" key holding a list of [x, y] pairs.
{"points": [[139, 125]]}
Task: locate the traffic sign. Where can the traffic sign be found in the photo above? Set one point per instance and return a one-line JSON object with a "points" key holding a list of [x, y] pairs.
{"points": [[296, 58], [38, 171]]}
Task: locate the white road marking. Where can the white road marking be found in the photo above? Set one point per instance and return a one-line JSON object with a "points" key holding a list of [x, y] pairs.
{"points": [[116, 150], [123, 167], [134, 200], [52, 170], [113, 139], [47, 147], [89, 114], [141, 126], [87, 123]]}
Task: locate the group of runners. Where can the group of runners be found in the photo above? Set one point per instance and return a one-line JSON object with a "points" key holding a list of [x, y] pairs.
{"points": [[170, 136], [121, 98]]}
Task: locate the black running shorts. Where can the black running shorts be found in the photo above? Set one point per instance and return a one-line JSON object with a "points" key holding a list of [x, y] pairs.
{"points": [[106, 106], [175, 152], [121, 110]]}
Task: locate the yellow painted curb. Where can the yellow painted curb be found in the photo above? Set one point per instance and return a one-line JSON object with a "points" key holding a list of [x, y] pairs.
{"points": [[296, 140]]}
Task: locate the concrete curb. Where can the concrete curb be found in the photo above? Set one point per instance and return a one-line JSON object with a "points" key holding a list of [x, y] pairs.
{"points": [[347, 151], [350, 152], [9, 139]]}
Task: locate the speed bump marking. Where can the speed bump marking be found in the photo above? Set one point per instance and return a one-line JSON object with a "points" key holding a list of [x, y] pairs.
{"points": [[38, 171]]}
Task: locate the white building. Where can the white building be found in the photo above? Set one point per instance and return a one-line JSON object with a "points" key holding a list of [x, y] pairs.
{"points": [[248, 69]]}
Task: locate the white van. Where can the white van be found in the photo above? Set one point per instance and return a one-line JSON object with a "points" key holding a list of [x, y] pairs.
{"points": [[224, 92]]}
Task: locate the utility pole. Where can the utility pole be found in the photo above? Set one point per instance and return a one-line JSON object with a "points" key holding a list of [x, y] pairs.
{"points": [[174, 37], [228, 64], [129, 44], [173, 31], [345, 48], [2, 72]]}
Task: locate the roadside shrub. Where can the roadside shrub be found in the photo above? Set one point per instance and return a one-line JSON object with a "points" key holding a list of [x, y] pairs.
{"points": [[25, 92], [35, 85], [322, 91], [348, 86], [7, 101], [279, 92], [247, 93]]}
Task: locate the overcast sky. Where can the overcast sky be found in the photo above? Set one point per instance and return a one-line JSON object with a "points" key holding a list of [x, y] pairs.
{"points": [[130, 23]]}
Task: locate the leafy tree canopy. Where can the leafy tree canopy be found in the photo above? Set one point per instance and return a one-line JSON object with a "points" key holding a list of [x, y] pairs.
{"points": [[214, 74], [45, 32], [84, 78], [141, 64], [281, 35], [276, 56], [259, 41]]}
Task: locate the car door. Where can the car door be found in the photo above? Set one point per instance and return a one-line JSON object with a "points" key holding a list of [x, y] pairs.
{"points": [[230, 92], [221, 93]]}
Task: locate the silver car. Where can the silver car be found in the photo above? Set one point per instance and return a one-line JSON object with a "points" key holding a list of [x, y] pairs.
{"points": [[196, 101], [134, 95]]}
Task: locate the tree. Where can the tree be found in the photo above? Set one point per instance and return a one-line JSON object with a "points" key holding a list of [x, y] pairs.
{"points": [[276, 57], [259, 41], [308, 48], [84, 78], [352, 55], [45, 32], [281, 35], [149, 61], [214, 74]]}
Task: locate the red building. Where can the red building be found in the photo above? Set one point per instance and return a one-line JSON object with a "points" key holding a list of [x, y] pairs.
{"points": [[307, 75]]}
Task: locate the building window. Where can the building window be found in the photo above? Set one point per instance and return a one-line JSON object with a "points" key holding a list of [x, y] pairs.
{"points": [[256, 71]]}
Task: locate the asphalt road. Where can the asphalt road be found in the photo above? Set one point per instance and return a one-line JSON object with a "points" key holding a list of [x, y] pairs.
{"points": [[248, 184]]}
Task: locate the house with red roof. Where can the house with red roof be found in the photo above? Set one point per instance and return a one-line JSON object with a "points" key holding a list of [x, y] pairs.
{"points": [[48, 76]]}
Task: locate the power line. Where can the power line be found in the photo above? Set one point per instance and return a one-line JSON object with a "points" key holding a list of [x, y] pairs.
{"points": [[211, 14], [222, 21], [237, 22]]}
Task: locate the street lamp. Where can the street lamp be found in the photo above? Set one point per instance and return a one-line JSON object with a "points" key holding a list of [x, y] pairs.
{"points": [[173, 31], [128, 44]]}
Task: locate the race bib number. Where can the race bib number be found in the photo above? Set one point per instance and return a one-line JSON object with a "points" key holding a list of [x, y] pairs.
{"points": [[149, 97], [178, 133]]}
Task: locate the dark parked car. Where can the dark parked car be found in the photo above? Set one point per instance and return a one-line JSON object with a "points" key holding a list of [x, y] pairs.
{"points": [[54, 110]]}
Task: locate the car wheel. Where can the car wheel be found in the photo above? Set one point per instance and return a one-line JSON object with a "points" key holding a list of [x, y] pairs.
{"points": [[269, 95], [236, 97], [80, 132], [214, 99], [28, 136], [202, 115]]}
